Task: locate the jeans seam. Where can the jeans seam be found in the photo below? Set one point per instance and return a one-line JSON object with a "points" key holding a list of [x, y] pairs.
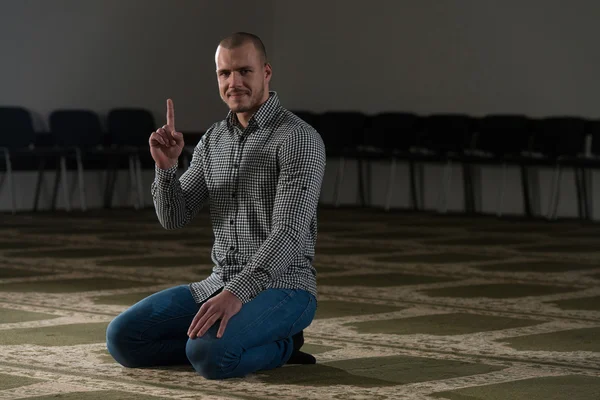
{"points": [[310, 300], [220, 364]]}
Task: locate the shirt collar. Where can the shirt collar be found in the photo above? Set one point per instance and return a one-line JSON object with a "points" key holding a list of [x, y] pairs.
{"points": [[262, 116]]}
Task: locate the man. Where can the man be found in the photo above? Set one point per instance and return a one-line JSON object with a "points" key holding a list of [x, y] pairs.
{"points": [[260, 170]]}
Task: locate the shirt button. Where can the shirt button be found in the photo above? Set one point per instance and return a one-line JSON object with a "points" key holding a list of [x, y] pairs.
{"points": [[231, 222], [232, 248], [235, 166]]}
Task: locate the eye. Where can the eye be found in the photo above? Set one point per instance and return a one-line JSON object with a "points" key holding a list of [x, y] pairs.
{"points": [[245, 71], [224, 73]]}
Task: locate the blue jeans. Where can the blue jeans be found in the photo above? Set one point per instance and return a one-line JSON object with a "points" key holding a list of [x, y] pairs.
{"points": [[153, 332]]}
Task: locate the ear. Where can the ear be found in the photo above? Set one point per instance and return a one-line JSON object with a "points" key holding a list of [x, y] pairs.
{"points": [[268, 72]]}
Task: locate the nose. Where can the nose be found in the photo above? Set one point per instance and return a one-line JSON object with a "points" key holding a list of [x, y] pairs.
{"points": [[234, 79]]}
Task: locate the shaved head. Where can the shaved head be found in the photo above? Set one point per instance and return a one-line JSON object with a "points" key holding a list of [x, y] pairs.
{"points": [[239, 39]]}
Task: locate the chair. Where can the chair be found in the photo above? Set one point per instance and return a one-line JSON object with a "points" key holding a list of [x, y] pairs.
{"points": [[445, 139], [393, 136], [129, 130], [503, 139], [18, 141], [78, 133], [343, 134], [563, 139]]}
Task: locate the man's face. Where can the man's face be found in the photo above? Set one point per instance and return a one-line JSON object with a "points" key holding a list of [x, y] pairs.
{"points": [[243, 78]]}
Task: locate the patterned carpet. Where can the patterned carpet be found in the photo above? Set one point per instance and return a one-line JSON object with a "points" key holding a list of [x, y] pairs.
{"points": [[412, 306]]}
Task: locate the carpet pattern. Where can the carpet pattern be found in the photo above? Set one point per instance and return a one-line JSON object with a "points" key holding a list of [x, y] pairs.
{"points": [[411, 305]]}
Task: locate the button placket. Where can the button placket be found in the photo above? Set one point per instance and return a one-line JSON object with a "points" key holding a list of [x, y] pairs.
{"points": [[235, 189]]}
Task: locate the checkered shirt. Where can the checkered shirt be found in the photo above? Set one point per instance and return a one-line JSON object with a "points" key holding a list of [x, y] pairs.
{"points": [[263, 185]]}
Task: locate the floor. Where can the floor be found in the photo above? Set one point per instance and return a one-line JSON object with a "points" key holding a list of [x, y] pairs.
{"points": [[411, 305]]}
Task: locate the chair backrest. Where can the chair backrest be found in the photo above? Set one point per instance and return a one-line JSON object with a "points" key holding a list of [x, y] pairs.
{"points": [[447, 132], [593, 129], [17, 127], [560, 135], [394, 130], [79, 128], [504, 133], [130, 126], [342, 129]]}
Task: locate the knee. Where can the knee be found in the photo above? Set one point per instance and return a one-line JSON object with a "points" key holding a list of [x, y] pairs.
{"points": [[210, 358], [119, 343]]}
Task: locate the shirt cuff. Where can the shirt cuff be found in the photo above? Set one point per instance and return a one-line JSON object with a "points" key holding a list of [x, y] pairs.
{"points": [[165, 174], [246, 287]]}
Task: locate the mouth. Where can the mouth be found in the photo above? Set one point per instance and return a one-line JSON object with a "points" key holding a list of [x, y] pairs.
{"points": [[236, 95]]}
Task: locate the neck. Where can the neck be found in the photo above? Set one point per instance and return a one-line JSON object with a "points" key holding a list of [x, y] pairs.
{"points": [[244, 117]]}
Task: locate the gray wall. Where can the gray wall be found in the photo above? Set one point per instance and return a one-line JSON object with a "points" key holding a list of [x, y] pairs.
{"points": [[535, 57], [110, 53]]}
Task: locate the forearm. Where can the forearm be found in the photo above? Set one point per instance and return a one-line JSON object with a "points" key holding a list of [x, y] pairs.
{"points": [[169, 201], [177, 201]]}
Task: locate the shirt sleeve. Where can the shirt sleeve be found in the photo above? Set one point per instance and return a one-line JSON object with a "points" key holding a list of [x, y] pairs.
{"points": [[177, 201], [302, 166]]}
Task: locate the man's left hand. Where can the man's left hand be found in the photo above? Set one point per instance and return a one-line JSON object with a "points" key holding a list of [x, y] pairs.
{"points": [[223, 306]]}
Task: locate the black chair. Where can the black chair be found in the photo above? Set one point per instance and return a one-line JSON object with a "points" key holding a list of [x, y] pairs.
{"points": [[503, 139], [589, 162], [18, 142], [445, 139], [79, 134], [343, 134], [393, 136], [129, 130], [562, 140]]}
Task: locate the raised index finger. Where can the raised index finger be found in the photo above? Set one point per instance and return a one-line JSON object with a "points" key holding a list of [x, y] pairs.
{"points": [[170, 115]]}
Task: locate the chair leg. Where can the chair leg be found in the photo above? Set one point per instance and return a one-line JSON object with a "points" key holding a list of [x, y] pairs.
{"points": [[11, 182], [368, 168], [361, 182], [111, 172], [390, 189], [584, 193], [588, 183], [138, 174], [338, 182], [501, 192], [65, 182], [468, 190], [554, 193], [57, 180], [445, 188], [134, 189], [80, 178], [38, 185], [525, 188], [420, 169], [413, 185]]}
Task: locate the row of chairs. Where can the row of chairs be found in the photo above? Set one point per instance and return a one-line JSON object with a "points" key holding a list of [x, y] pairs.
{"points": [[504, 140], [75, 136], [557, 142]]}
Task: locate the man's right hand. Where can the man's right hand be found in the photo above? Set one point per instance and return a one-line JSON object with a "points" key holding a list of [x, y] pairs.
{"points": [[166, 144]]}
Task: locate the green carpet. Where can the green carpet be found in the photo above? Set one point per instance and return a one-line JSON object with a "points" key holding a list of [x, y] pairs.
{"points": [[497, 291], [547, 388], [10, 381], [537, 266], [442, 325], [410, 305], [71, 285]]}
